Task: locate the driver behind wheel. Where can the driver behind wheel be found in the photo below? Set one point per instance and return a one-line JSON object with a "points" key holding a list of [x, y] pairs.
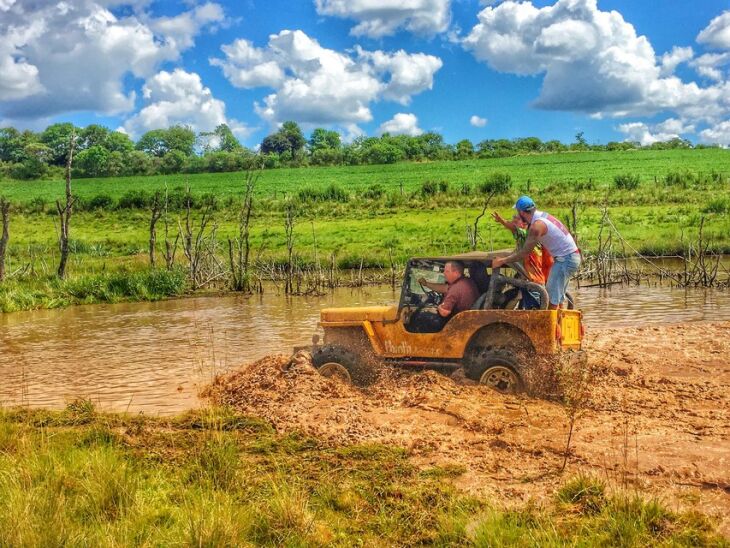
{"points": [[459, 292]]}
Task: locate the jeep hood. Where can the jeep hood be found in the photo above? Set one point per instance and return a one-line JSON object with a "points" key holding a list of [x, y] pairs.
{"points": [[359, 314]]}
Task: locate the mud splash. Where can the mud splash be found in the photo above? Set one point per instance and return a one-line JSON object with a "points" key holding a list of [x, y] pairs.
{"points": [[657, 418]]}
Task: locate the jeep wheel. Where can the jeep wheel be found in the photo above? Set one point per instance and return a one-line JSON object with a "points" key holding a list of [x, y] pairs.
{"points": [[336, 370], [498, 370], [337, 361]]}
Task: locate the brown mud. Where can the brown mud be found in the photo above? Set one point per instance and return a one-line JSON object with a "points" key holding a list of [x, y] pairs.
{"points": [[657, 418]]}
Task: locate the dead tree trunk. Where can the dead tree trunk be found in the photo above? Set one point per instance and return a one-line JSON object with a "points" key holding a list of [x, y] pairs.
{"points": [[604, 253], [156, 212], [289, 231], [472, 232], [239, 249], [64, 212], [572, 220], [170, 247], [199, 246], [5, 214]]}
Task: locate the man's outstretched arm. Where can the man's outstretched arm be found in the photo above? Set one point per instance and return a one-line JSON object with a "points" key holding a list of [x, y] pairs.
{"points": [[533, 236]]}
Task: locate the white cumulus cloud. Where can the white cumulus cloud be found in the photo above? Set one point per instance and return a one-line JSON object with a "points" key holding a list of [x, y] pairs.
{"points": [[477, 121], [401, 124], [247, 66], [377, 18], [315, 85], [646, 134], [58, 57], [718, 134], [410, 73], [717, 33], [593, 61], [672, 59], [180, 30], [179, 97], [710, 65]]}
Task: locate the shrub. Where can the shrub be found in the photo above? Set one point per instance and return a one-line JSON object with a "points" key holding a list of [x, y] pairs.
{"points": [[100, 201], [37, 205], [373, 192], [429, 188], [334, 193], [134, 199], [177, 197], [209, 200], [496, 183], [30, 168], [626, 181]]}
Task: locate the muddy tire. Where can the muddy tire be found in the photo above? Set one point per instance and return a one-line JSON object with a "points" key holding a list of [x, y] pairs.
{"points": [[338, 361], [500, 370]]}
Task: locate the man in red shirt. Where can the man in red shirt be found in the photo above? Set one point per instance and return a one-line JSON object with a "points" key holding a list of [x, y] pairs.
{"points": [[459, 292]]}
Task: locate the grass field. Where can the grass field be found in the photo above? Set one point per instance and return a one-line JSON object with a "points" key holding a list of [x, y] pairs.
{"points": [[214, 478], [661, 215], [541, 170]]}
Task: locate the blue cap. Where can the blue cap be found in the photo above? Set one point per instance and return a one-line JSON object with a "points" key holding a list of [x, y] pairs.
{"points": [[524, 203]]}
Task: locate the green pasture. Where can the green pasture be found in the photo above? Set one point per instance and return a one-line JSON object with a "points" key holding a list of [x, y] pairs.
{"points": [[541, 170]]}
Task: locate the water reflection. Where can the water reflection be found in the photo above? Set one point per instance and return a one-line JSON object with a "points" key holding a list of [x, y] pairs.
{"points": [[153, 357]]}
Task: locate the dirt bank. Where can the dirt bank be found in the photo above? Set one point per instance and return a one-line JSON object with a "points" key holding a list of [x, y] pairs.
{"points": [[657, 418]]}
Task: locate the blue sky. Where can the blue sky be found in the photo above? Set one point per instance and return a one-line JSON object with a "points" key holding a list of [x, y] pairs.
{"points": [[615, 69]]}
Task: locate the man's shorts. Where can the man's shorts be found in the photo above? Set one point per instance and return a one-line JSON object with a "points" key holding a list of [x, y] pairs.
{"points": [[561, 272]]}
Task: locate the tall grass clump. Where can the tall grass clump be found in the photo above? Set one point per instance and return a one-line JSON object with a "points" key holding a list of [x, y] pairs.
{"points": [[719, 206], [216, 461], [110, 287], [682, 179], [586, 493], [373, 192], [431, 188], [497, 183], [626, 181], [330, 193], [147, 285]]}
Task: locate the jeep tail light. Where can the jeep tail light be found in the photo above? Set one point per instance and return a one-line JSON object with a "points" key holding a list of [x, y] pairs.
{"points": [[582, 331], [558, 333]]}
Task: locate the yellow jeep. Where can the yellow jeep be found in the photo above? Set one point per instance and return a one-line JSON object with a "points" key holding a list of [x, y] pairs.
{"points": [[495, 342]]}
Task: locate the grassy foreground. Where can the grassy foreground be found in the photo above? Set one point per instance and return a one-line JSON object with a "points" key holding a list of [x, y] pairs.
{"points": [[214, 478]]}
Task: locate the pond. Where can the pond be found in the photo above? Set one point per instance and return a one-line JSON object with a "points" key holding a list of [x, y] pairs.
{"points": [[154, 357]]}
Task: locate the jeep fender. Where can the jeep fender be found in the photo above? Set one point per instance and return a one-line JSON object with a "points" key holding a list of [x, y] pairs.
{"points": [[499, 335]]}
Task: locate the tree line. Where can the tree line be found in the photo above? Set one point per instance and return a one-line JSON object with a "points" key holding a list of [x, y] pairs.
{"points": [[102, 152]]}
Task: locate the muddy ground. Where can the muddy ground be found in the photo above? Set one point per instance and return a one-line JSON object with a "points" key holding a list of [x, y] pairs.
{"points": [[657, 418]]}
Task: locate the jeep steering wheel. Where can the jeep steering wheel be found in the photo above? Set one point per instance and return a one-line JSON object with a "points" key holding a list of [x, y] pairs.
{"points": [[431, 297]]}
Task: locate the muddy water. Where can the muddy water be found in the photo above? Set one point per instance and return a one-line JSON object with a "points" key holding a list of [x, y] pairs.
{"points": [[153, 357]]}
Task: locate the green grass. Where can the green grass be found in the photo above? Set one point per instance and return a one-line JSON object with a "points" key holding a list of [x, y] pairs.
{"points": [[109, 287], [542, 170], [214, 478]]}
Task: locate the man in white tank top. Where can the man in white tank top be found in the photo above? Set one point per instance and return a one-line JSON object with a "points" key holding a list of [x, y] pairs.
{"points": [[548, 231]]}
